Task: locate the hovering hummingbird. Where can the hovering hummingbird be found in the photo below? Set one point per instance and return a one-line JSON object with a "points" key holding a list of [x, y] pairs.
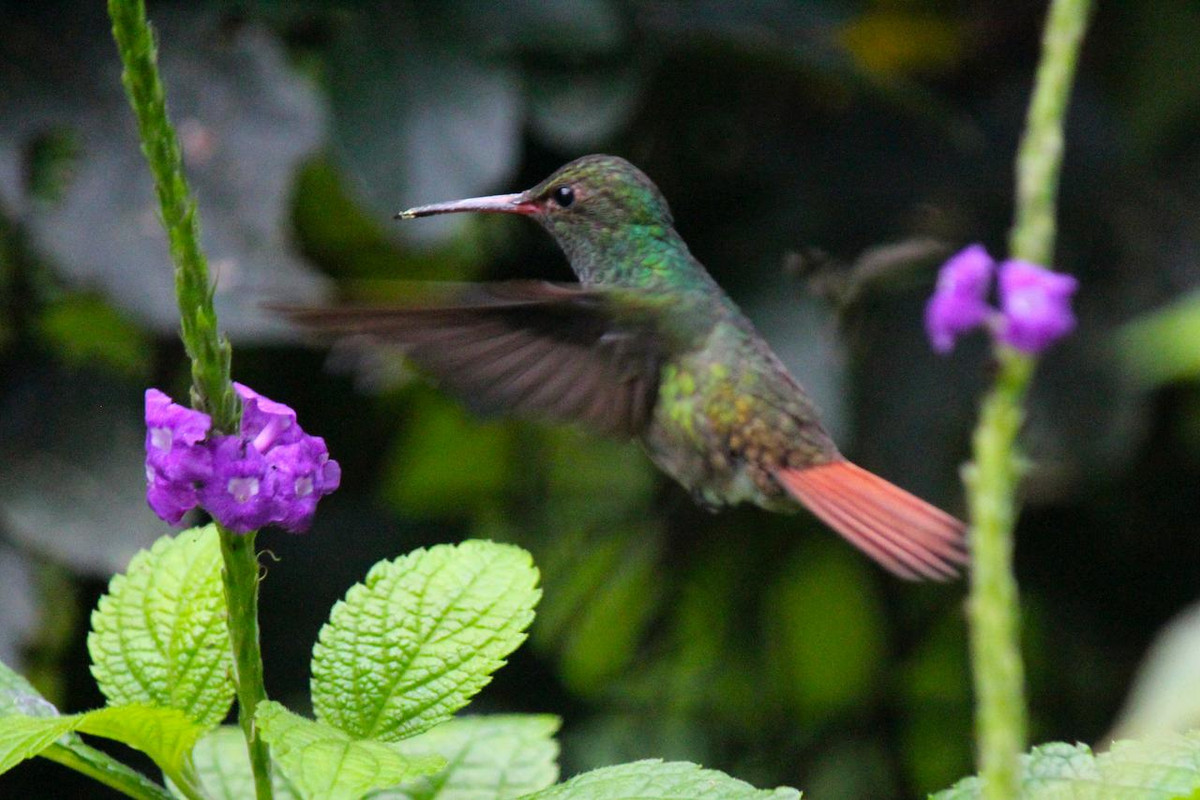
{"points": [[647, 345]]}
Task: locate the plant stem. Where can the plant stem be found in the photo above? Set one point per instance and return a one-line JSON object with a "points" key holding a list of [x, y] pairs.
{"points": [[241, 594], [992, 479], [209, 351], [1039, 159], [212, 388], [993, 475]]}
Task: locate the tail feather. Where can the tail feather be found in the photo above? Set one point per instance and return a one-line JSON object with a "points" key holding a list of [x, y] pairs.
{"points": [[906, 535]]}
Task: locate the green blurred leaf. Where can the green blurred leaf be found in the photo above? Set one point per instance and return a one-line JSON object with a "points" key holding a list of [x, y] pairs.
{"points": [[658, 780], [413, 643], [84, 329], [159, 636], [935, 684], [1157, 46], [487, 758], [222, 767], [903, 41], [324, 763], [608, 624], [427, 474], [1165, 696], [1157, 768], [334, 230], [1163, 346], [825, 630]]}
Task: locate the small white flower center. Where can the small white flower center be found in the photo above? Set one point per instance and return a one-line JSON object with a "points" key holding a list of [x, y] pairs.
{"points": [[161, 439], [242, 489], [304, 486]]}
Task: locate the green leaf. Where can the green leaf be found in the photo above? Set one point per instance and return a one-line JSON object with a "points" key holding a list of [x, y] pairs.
{"points": [[166, 735], [659, 780], [1158, 768], [222, 767], [17, 696], [159, 636], [488, 758], [23, 737], [325, 763], [410, 646], [20, 701]]}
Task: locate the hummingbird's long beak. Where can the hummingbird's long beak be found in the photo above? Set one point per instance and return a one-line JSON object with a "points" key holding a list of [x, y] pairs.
{"points": [[497, 203]]}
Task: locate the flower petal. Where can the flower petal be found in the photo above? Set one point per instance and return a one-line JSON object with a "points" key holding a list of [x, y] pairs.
{"points": [[959, 302], [1036, 303]]}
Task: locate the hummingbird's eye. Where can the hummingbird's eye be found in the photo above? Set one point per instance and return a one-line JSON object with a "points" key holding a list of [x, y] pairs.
{"points": [[564, 196]]}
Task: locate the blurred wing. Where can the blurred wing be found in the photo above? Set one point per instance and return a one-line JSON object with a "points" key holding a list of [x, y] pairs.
{"points": [[526, 347]]}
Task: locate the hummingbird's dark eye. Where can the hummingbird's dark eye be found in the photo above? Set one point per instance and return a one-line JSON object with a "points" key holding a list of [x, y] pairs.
{"points": [[564, 196]]}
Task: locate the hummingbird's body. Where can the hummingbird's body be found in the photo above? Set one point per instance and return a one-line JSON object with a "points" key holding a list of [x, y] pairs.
{"points": [[648, 345]]}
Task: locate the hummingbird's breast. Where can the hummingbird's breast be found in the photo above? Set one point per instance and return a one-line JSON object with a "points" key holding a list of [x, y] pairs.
{"points": [[728, 415]]}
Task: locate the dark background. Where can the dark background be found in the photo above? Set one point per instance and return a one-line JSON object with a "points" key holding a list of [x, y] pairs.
{"points": [[821, 158]]}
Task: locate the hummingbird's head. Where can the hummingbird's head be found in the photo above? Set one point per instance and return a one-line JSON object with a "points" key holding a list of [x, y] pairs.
{"points": [[591, 193]]}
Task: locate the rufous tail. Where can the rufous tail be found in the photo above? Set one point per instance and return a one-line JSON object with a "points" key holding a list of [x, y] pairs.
{"points": [[906, 535]]}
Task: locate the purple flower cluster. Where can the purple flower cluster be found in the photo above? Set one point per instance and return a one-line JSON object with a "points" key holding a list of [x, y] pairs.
{"points": [[272, 472], [1035, 303]]}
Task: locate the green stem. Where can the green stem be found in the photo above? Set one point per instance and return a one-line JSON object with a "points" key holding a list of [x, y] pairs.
{"points": [[241, 594], [107, 770], [1039, 159], [992, 479], [212, 389], [208, 350], [994, 474]]}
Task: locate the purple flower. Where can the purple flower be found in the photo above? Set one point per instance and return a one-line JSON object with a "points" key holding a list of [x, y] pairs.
{"points": [[176, 463], [237, 495], [266, 422], [959, 302], [299, 475], [1036, 304], [271, 472]]}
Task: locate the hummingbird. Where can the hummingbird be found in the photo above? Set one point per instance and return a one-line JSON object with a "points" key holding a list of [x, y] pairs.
{"points": [[646, 345]]}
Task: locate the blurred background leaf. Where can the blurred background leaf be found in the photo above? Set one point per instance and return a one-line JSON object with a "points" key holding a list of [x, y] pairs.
{"points": [[821, 158]]}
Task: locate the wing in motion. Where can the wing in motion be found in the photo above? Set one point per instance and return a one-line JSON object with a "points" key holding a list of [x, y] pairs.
{"points": [[557, 351]]}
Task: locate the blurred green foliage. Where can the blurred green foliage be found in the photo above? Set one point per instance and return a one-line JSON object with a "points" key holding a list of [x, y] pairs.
{"points": [[866, 135]]}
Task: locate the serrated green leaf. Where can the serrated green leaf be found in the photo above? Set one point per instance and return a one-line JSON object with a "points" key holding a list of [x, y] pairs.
{"points": [[159, 636], [166, 735], [17, 696], [324, 763], [23, 737], [413, 643], [222, 768], [659, 780], [1159, 768], [487, 758]]}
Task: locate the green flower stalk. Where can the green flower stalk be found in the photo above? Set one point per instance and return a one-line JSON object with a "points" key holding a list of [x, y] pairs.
{"points": [[212, 389], [995, 471]]}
